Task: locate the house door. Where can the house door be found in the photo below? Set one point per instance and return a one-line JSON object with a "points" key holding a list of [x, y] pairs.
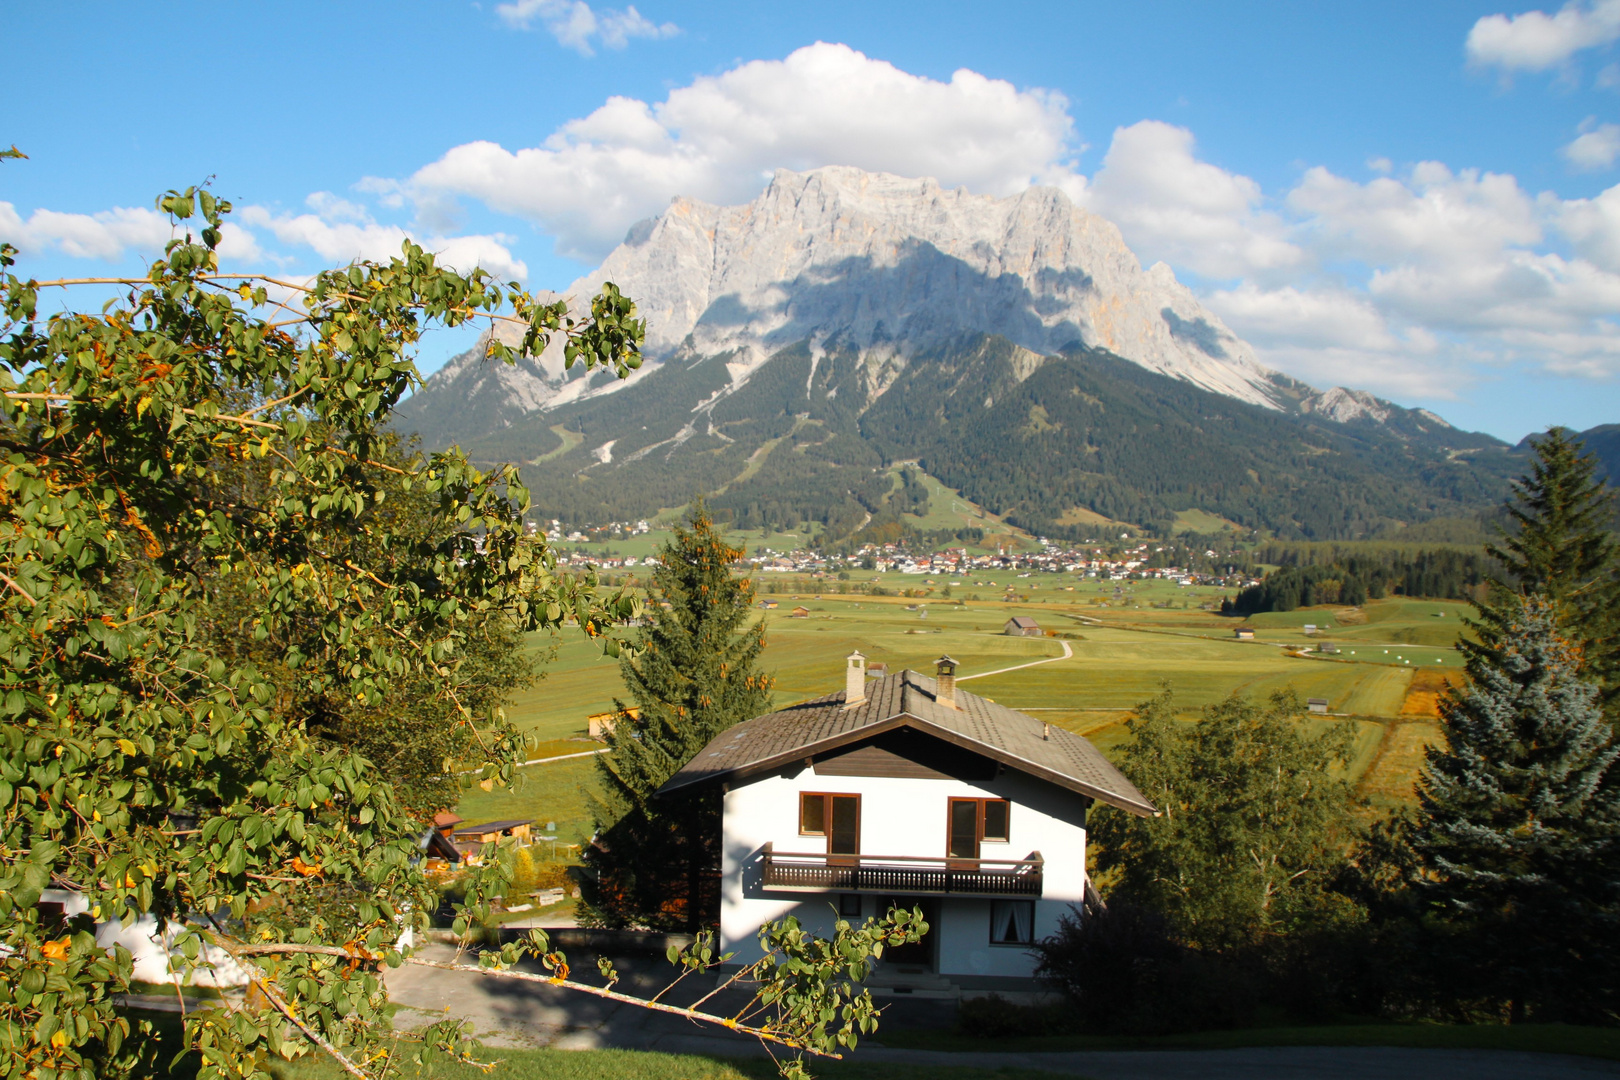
{"points": [[963, 842], [844, 828]]}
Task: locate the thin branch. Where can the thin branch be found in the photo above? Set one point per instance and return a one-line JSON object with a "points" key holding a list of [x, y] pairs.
{"points": [[24, 593], [309, 1033], [286, 1010], [278, 401], [762, 1034]]}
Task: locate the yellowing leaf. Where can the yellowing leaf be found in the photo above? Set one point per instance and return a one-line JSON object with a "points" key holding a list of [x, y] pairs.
{"points": [[56, 950], [141, 406], [127, 747]]}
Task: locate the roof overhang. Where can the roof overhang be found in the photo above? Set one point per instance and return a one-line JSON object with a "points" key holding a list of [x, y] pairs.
{"points": [[821, 747]]}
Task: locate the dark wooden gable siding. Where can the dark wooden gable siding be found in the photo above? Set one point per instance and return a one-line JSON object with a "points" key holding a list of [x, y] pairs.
{"points": [[910, 754]]}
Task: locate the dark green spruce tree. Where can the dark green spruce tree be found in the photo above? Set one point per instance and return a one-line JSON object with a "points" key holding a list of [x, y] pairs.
{"points": [[1518, 828], [655, 861], [1560, 546]]}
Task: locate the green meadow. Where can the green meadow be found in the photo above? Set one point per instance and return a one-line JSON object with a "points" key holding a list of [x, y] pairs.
{"points": [[1127, 640]]}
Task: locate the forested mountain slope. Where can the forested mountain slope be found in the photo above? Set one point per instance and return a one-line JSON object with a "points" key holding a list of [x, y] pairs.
{"points": [[1051, 442]]}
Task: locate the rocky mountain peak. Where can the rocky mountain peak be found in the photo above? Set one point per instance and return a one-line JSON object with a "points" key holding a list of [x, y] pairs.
{"points": [[886, 267]]}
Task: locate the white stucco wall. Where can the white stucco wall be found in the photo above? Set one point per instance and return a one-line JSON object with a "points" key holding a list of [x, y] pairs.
{"points": [[150, 950], [901, 817]]}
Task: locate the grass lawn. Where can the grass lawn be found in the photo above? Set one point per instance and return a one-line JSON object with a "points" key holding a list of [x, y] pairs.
{"points": [[1539, 1038], [650, 1065], [1601, 1043]]}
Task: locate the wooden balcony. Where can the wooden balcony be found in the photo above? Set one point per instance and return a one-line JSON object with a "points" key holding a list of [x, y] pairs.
{"points": [[902, 875]]}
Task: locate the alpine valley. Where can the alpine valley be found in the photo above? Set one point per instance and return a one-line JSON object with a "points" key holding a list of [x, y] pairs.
{"points": [[811, 352]]}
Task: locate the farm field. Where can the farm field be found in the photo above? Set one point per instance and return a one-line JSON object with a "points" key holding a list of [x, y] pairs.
{"points": [[1121, 655]]}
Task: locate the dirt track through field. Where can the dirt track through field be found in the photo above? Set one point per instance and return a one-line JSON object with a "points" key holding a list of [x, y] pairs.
{"points": [[1067, 653]]}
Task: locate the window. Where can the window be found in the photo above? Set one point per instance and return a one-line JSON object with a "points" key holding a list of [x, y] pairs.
{"points": [[837, 817], [849, 905], [812, 815], [1012, 922], [995, 820], [975, 821]]}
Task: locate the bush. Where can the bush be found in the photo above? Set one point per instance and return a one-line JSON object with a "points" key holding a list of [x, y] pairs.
{"points": [[1126, 974], [531, 874]]}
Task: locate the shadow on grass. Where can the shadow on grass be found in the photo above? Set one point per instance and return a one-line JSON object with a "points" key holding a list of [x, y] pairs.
{"points": [[1539, 1038]]}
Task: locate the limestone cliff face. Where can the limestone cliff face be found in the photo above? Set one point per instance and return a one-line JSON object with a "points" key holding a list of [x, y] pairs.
{"points": [[892, 266], [888, 267]]}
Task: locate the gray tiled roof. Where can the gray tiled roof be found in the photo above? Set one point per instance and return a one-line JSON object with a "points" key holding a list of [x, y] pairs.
{"points": [[906, 699]]}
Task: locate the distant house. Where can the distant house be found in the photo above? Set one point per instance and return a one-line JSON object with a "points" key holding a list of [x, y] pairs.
{"points": [[1327, 647], [799, 613], [436, 845], [877, 670], [1243, 633], [768, 605], [1310, 628], [471, 839], [600, 725], [1021, 626], [1317, 704]]}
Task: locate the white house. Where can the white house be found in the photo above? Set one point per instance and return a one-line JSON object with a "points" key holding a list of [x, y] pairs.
{"points": [[905, 790]]}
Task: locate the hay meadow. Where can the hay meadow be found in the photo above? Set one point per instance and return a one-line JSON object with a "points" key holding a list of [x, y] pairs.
{"points": [[1125, 639]]}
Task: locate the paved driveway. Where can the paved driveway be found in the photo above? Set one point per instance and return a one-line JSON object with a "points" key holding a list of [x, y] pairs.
{"points": [[510, 1013]]}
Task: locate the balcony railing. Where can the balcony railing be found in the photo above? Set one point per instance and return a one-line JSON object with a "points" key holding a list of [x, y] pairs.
{"points": [[902, 874]]}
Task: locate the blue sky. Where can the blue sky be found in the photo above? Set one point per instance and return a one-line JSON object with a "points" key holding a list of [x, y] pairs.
{"points": [[1416, 199]]}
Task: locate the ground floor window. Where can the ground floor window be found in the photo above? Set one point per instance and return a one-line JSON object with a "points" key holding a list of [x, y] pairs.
{"points": [[1012, 922], [849, 905]]}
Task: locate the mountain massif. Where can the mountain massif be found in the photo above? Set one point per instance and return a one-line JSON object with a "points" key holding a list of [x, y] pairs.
{"points": [[803, 346]]}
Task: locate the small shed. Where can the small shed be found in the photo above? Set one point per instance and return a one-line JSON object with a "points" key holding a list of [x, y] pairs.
{"points": [[600, 725], [878, 670], [768, 605], [1310, 628], [800, 612], [1021, 626], [476, 836], [1243, 633], [1317, 704], [1327, 647]]}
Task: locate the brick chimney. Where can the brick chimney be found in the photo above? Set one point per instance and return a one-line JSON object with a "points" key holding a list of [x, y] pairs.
{"points": [[945, 682], [855, 680]]}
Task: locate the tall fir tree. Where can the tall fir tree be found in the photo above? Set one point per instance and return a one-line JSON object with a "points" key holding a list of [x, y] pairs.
{"points": [[655, 861], [1560, 546], [1518, 828]]}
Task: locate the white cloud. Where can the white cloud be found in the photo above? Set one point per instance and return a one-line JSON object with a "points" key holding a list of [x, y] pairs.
{"points": [[1536, 41], [1595, 148], [1174, 207], [1332, 336], [714, 139], [1431, 214], [103, 235], [347, 233], [338, 232], [576, 24]]}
